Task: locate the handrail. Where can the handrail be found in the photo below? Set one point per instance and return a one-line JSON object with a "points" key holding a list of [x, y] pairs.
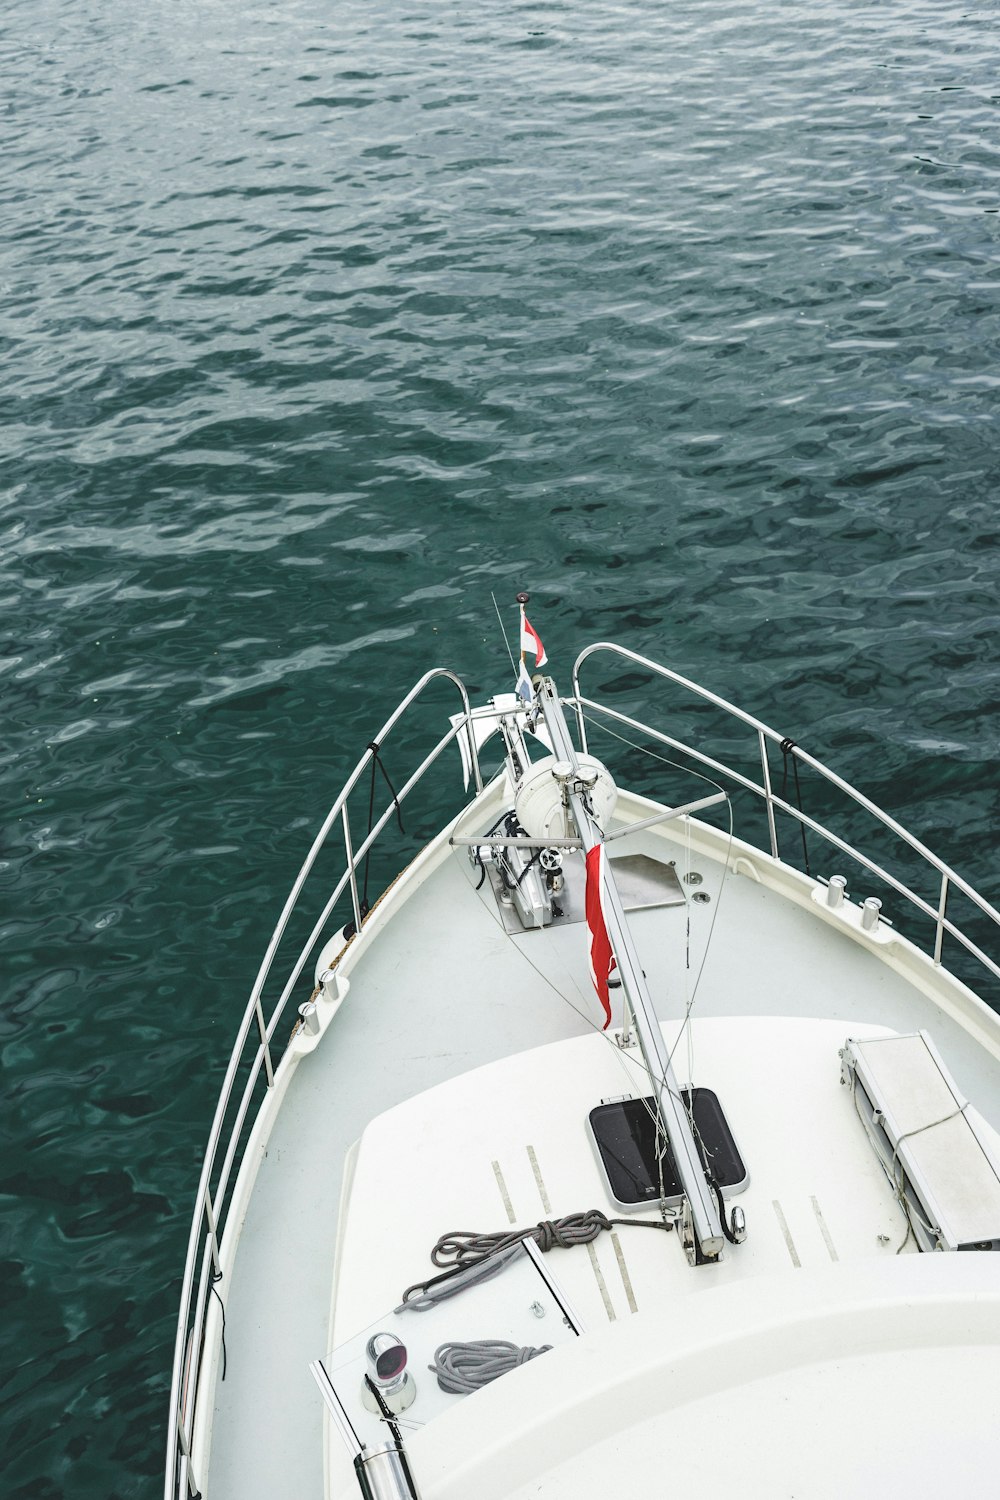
{"points": [[780, 805], [179, 1476], [949, 877]]}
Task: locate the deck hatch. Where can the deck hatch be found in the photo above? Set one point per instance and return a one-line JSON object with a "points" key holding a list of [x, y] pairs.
{"points": [[624, 1132]]}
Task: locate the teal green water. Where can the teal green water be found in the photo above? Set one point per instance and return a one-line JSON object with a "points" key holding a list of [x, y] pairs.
{"points": [[319, 325]]}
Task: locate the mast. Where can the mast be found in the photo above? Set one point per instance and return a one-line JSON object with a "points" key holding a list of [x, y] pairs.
{"points": [[702, 1225]]}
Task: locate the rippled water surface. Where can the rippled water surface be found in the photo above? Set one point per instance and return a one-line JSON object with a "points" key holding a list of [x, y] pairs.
{"points": [[319, 324]]}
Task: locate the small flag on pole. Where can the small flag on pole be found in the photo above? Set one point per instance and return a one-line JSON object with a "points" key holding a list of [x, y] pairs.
{"points": [[524, 688], [531, 641], [601, 958]]}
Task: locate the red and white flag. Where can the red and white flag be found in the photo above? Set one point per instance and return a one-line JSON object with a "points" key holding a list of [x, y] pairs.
{"points": [[601, 958], [532, 641]]}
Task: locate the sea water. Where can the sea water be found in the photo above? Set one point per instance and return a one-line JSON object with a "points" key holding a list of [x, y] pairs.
{"points": [[320, 326]]}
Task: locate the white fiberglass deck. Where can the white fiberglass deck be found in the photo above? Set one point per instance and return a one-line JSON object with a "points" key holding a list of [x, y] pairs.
{"points": [[876, 1380], [783, 985], [503, 1155]]}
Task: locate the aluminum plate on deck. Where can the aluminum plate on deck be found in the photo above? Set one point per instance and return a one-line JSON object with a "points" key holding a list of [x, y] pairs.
{"points": [[644, 882]]}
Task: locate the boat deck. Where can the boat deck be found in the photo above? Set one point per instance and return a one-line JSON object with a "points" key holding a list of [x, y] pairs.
{"points": [[782, 984]]}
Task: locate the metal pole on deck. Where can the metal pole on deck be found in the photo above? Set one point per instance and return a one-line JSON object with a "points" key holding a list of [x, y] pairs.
{"points": [[705, 1222]]}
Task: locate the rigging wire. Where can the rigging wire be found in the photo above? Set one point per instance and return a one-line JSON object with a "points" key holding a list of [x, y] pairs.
{"points": [[700, 776], [633, 1061], [686, 1030], [656, 1082], [503, 632]]}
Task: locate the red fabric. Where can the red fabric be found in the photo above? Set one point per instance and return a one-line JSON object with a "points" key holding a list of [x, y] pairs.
{"points": [[602, 960], [532, 641]]}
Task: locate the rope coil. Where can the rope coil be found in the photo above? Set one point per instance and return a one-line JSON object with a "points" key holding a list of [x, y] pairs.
{"points": [[461, 1247], [463, 1252], [461, 1368]]}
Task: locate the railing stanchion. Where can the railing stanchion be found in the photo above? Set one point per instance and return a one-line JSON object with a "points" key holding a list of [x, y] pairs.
{"points": [[213, 1232], [581, 727], [768, 794], [265, 1044], [351, 866], [473, 752], [186, 1468], [939, 934]]}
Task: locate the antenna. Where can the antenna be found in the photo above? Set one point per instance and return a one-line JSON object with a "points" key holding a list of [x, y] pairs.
{"points": [[505, 640]]}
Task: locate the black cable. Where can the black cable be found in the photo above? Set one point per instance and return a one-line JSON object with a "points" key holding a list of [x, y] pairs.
{"points": [[479, 858], [376, 761], [532, 861], [216, 1277], [726, 1225], [373, 747], [787, 746], [351, 927], [387, 1416]]}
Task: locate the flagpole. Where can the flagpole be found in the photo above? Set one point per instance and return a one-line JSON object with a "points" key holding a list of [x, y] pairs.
{"points": [[704, 1224], [522, 600]]}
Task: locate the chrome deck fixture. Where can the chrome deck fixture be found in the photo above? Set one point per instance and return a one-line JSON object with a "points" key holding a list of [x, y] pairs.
{"points": [[386, 1377], [386, 1475], [381, 1464], [309, 1017]]}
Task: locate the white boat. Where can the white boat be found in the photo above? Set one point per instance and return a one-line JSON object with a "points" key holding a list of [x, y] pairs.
{"points": [[775, 1171]]}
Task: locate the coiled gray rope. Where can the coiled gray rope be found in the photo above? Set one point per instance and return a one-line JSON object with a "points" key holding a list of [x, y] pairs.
{"points": [[459, 1247], [461, 1368], [461, 1250]]}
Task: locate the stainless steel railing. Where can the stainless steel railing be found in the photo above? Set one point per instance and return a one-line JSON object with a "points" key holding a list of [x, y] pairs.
{"points": [[949, 880], [253, 1042]]}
